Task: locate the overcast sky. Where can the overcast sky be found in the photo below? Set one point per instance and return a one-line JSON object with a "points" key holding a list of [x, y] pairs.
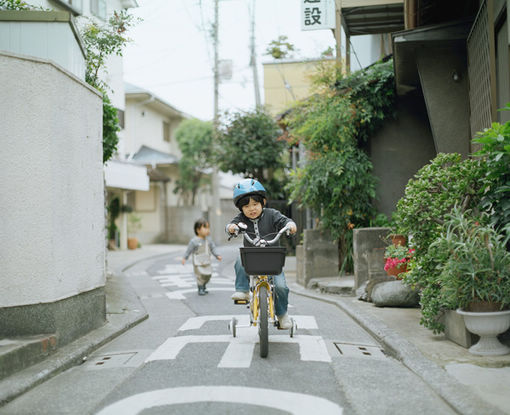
{"points": [[171, 54]]}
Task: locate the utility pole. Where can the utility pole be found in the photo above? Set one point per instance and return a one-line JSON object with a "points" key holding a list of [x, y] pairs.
{"points": [[215, 205], [338, 32], [253, 60]]}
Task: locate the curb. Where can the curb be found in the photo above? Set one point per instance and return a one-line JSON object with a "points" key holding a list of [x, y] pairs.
{"points": [[449, 389], [76, 352]]}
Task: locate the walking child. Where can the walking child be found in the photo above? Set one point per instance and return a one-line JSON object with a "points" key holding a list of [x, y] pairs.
{"points": [[201, 247], [250, 199]]}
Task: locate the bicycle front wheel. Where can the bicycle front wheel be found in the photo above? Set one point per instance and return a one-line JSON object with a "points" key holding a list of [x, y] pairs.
{"points": [[263, 322]]}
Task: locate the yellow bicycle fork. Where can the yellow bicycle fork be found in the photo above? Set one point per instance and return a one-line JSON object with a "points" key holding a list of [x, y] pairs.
{"points": [[262, 280]]}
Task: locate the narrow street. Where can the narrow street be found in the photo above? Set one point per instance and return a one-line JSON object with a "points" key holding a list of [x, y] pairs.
{"points": [[183, 359]]}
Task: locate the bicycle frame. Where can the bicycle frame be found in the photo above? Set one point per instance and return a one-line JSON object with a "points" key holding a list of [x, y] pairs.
{"points": [[257, 281]]}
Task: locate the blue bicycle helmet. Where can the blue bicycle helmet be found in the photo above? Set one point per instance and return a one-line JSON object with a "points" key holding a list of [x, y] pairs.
{"points": [[248, 187]]}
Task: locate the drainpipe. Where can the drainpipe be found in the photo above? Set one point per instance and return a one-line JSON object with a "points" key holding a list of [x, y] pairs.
{"points": [[410, 14]]}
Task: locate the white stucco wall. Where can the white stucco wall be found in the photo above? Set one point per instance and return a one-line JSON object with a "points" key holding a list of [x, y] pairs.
{"points": [[145, 126], [51, 191]]}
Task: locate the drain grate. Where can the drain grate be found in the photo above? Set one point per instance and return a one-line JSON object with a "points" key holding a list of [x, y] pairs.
{"points": [[359, 350], [117, 360]]}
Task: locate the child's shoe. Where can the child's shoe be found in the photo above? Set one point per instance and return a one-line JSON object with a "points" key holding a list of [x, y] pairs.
{"points": [[284, 322], [201, 290], [205, 289], [240, 295]]}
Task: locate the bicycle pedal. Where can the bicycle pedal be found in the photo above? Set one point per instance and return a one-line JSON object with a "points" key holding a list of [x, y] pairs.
{"points": [[240, 301]]}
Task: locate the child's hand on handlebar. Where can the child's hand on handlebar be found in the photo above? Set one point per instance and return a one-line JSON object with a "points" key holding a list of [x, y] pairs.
{"points": [[292, 228], [233, 229]]}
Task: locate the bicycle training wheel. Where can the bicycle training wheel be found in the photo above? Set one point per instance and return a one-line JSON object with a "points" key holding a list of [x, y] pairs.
{"points": [[263, 339]]}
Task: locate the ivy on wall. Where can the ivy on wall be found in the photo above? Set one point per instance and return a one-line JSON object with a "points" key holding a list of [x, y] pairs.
{"points": [[334, 126]]}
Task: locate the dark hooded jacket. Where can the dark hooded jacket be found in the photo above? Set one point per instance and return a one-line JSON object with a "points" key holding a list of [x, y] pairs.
{"points": [[265, 226]]}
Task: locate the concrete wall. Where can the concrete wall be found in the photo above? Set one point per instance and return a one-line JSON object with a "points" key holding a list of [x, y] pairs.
{"points": [[368, 253], [447, 111], [317, 257], [51, 193], [287, 82], [44, 37], [399, 149]]}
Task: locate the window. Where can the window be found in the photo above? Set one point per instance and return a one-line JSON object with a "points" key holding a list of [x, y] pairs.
{"points": [[166, 131], [98, 8]]}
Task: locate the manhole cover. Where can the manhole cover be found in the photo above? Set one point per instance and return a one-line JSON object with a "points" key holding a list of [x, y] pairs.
{"points": [[359, 350]]}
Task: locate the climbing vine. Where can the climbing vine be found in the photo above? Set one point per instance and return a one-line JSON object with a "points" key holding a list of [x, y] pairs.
{"points": [[334, 126]]}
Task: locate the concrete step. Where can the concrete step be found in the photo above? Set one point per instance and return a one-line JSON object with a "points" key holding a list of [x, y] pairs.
{"points": [[333, 285], [18, 353]]}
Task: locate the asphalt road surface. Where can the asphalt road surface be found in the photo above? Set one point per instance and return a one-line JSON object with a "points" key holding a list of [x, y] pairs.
{"points": [[184, 360]]}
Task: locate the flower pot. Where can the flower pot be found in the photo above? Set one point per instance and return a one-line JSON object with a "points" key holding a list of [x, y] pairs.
{"points": [[132, 243], [398, 239], [395, 271], [487, 325]]}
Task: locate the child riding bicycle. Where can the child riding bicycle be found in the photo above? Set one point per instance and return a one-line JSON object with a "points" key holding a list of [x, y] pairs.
{"points": [[250, 198]]}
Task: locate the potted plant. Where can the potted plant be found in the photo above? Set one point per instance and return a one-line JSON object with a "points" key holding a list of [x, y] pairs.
{"points": [[134, 225], [475, 277], [396, 259]]}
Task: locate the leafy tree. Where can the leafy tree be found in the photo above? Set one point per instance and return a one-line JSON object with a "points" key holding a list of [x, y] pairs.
{"points": [[280, 48], [249, 144], [102, 41], [195, 138], [18, 5]]}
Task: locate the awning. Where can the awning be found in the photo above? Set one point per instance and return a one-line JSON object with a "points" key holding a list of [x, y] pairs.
{"points": [[150, 156], [367, 17], [125, 175]]}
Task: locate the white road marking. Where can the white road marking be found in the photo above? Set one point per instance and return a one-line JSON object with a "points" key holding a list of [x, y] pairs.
{"points": [[193, 282], [238, 354], [179, 294], [195, 323], [295, 403], [311, 348]]}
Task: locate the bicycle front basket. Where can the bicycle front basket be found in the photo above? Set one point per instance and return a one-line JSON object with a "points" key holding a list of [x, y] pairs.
{"points": [[263, 260]]}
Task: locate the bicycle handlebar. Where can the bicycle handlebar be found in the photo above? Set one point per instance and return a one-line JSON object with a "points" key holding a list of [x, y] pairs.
{"points": [[260, 241]]}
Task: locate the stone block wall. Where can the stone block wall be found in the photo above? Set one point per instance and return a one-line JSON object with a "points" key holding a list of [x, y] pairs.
{"points": [[368, 251], [317, 257]]}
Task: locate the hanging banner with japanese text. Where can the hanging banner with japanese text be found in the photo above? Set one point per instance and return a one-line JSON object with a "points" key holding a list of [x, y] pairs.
{"points": [[317, 14]]}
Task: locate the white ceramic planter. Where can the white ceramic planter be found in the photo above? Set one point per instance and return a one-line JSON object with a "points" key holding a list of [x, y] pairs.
{"points": [[487, 325]]}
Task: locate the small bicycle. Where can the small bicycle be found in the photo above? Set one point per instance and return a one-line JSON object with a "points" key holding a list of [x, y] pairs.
{"points": [[261, 262]]}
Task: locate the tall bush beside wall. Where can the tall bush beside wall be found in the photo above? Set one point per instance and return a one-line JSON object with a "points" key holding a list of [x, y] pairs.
{"points": [[495, 152], [429, 197]]}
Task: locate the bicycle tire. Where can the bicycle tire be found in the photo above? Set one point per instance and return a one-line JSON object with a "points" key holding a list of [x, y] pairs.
{"points": [[263, 322]]}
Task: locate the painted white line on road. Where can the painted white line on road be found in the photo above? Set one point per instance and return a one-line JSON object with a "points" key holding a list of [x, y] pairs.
{"points": [[311, 348], [173, 276], [238, 354], [195, 323], [193, 282], [179, 294], [173, 345], [295, 403]]}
